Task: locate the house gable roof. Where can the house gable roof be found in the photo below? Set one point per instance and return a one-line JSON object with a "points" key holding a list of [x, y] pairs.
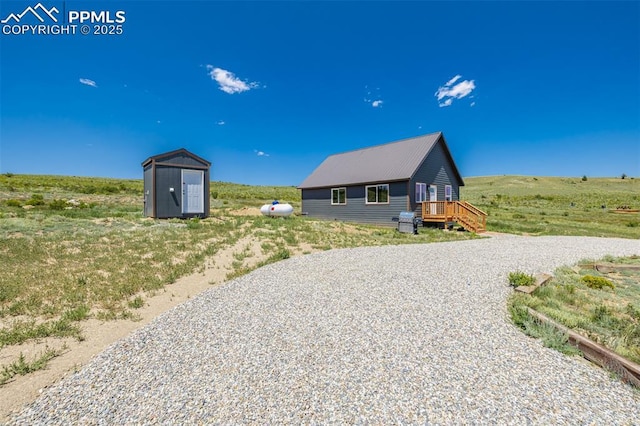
{"points": [[158, 158], [389, 162]]}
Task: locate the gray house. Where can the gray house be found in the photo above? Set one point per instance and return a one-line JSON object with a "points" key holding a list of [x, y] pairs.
{"points": [[373, 185], [176, 184]]}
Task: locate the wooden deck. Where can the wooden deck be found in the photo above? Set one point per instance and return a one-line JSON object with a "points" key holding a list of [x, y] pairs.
{"points": [[465, 214]]}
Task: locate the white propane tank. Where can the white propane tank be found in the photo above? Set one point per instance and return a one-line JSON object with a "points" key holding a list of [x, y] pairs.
{"points": [[277, 209]]}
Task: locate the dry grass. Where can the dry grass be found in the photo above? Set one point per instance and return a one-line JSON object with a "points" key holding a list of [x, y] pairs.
{"points": [[609, 315], [63, 262]]}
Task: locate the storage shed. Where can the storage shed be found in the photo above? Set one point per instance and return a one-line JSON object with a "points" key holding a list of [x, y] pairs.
{"points": [[176, 185]]}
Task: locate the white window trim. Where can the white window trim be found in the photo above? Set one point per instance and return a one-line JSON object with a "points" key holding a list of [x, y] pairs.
{"points": [[366, 190], [420, 192], [449, 189], [345, 196]]}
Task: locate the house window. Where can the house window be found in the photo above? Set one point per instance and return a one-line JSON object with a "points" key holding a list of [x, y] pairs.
{"points": [[378, 194], [421, 192], [338, 196], [447, 193]]}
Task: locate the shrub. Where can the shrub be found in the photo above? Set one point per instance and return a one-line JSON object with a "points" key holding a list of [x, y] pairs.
{"points": [[519, 314], [56, 204], [584, 178], [596, 282], [35, 200], [13, 203], [517, 279]]}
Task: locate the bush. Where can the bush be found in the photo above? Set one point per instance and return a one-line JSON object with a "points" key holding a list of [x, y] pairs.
{"points": [[35, 200], [13, 203], [596, 282], [516, 279], [584, 178], [56, 204]]}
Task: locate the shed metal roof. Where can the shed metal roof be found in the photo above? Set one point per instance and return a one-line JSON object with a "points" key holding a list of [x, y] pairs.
{"points": [[389, 162], [160, 157]]}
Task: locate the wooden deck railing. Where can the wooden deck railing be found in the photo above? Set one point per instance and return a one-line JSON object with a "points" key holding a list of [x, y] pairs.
{"points": [[465, 214]]}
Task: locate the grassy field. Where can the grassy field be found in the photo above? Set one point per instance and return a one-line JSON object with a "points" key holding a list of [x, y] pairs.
{"points": [[73, 248], [604, 307], [557, 206]]}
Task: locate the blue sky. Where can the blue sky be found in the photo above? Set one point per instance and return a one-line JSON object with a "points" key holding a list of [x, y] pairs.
{"points": [[267, 90]]}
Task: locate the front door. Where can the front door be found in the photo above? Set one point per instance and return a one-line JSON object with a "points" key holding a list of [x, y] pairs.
{"points": [[192, 191], [433, 196]]}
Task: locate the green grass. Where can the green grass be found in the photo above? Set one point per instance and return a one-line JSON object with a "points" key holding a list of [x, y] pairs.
{"points": [[73, 248], [517, 279], [609, 315], [64, 261], [556, 206], [23, 367]]}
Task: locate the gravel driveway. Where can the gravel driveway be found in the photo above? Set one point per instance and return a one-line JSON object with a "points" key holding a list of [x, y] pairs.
{"points": [[377, 335]]}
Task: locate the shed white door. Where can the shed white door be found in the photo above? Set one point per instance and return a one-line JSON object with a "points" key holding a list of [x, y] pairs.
{"points": [[192, 191], [433, 196]]}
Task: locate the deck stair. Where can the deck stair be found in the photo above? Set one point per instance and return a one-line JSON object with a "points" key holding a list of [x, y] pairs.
{"points": [[463, 213]]}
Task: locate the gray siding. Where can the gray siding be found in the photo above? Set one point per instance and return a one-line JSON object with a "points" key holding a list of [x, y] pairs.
{"points": [[168, 204], [181, 159], [148, 191], [317, 203], [435, 170]]}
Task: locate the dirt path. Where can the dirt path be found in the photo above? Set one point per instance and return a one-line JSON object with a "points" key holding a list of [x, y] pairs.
{"points": [[100, 334]]}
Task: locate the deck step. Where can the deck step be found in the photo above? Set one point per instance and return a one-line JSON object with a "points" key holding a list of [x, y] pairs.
{"points": [[465, 214]]}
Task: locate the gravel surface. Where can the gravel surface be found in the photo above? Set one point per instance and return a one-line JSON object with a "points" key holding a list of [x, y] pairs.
{"points": [[402, 334]]}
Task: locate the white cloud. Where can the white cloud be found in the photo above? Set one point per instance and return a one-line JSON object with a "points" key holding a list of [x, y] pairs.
{"points": [[88, 82], [260, 153], [221, 123], [453, 80], [228, 81], [449, 91], [373, 97], [473, 103]]}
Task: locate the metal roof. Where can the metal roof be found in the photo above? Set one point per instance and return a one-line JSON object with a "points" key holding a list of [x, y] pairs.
{"points": [[381, 163], [159, 157]]}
